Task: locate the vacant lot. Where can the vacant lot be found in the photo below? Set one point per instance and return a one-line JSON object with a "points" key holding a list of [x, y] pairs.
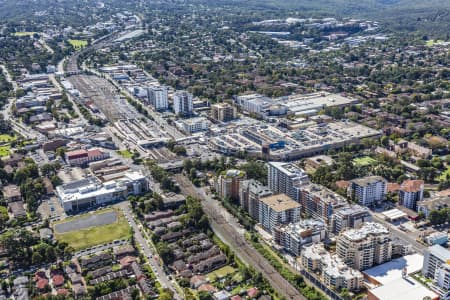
{"points": [[125, 153], [92, 229], [4, 150], [445, 174], [220, 273], [364, 161], [78, 44], [5, 138]]}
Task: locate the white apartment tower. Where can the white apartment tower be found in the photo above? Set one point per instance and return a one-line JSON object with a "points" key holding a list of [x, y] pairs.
{"points": [[368, 190], [157, 97], [182, 103], [285, 178]]}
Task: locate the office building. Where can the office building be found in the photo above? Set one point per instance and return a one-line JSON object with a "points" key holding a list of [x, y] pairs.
{"points": [[228, 184], [333, 271], [364, 247], [368, 190], [410, 192], [276, 210], [223, 112], [250, 191], [319, 202], [182, 103], [286, 178], [349, 216], [157, 97], [254, 104], [88, 192], [292, 237]]}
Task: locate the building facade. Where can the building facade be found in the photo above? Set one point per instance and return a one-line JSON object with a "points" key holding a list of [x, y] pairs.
{"points": [[228, 184], [182, 103], [364, 247], [349, 216], [223, 112], [368, 191], [411, 191], [276, 210], [250, 191], [436, 266], [286, 178], [158, 98]]}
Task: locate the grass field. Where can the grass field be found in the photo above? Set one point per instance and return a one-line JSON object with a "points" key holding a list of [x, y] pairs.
{"points": [[24, 33], [220, 273], [85, 238], [4, 150], [78, 44], [433, 42], [4, 138], [125, 153], [364, 161]]}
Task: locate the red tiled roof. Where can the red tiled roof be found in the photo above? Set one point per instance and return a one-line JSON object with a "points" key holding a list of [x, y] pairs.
{"points": [[58, 280], [94, 153], [237, 297], [127, 261], [63, 292], [41, 283], [252, 292], [76, 154], [393, 187], [342, 184], [412, 186], [207, 288]]}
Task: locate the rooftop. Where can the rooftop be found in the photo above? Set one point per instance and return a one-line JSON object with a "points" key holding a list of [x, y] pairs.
{"points": [[403, 289], [367, 180], [369, 228], [280, 202], [412, 186], [440, 252]]}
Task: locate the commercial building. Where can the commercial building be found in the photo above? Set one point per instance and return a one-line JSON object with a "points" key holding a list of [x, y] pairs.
{"points": [[193, 125], [82, 157], [276, 210], [437, 238], [250, 191], [88, 192], [368, 190], [364, 247], [157, 97], [319, 202], [182, 103], [436, 266], [410, 192], [334, 272], [402, 289], [254, 103], [223, 112], [228, 184], [286, 178], [349, 216], [292, 237]]}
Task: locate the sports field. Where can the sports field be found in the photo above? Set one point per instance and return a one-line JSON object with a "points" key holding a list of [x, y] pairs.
{"points": [[78, 44], [92, 229], [364, 161]]}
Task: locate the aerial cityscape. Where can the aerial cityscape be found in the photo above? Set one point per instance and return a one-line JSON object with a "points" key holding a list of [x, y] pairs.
{"points": [[225, 149]]}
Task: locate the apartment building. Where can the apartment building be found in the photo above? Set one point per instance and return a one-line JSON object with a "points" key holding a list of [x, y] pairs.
{"points": [[193, 125], [292, 237], [223, 112], [228, 184], [285, 178], [364, 247], [368, 190], [436, 266], [319, 202], [349, 216], [410, 192], [333, 270], [276, 210], [182, 103], [250, 191], [158, 98]]}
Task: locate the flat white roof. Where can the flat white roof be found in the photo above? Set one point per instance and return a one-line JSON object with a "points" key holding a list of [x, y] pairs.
{"points": [[392, 270], [403, 289], [394, 214]]}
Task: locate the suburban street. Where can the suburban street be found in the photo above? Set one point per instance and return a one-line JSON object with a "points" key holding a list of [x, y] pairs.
{"points": [[148, 251]]}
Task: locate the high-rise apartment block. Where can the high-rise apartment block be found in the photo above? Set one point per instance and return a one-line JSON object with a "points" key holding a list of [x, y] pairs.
{"points": [[364, 247], [157, 97], [183, 103], [285, 178], [276, 210], [368, 190], [223, 112], [250, 191]]}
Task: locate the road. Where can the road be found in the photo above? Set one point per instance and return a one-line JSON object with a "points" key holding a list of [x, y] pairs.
{"points": [[148, 251], [395, 232], [226, 230]]}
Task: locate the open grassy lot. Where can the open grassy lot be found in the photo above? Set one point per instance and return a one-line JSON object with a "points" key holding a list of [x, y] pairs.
{"points": [[78, 44], [220, 273], [88, 237], [24, 33], [364, 161], [125, 153], [4, 138], [431, 43], [4, 150]]}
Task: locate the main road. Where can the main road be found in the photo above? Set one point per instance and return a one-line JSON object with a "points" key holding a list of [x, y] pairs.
{"points": [[228, 231]]}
